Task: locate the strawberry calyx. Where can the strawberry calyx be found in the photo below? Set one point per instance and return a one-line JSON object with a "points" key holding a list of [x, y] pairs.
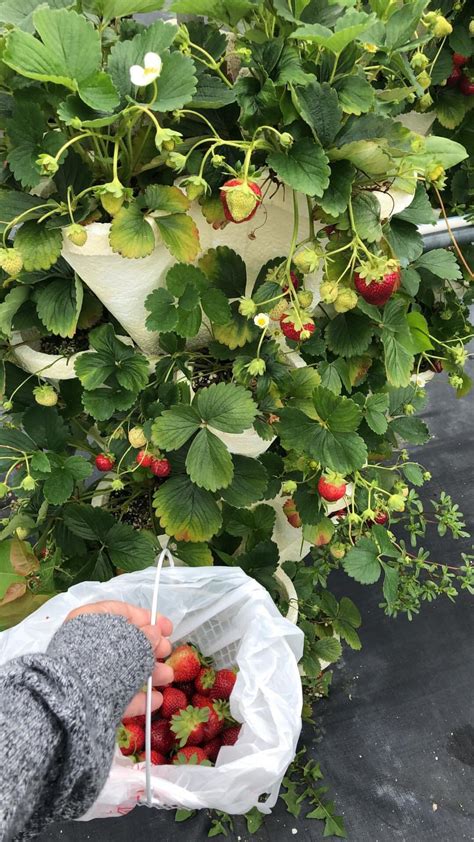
{"points": [[187, 725]]}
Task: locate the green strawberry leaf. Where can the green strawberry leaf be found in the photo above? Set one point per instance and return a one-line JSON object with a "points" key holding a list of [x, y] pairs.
{"points": [[209, 463], [305, 167], [248, 484], [180, 236], [59, 304], [187, 512], [39, 246], [226, 407], [131, 235], [349, 334], [175, 426], [226, 270], [362, 562]]}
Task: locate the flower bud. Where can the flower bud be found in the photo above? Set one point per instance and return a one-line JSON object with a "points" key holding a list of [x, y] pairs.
{"points": [[286, 140], [117, 484], [47, 164]]}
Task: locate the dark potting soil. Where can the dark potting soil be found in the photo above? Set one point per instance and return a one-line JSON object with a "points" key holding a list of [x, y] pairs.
{"points": [[135, 512], [208, 372], [67, 346]]}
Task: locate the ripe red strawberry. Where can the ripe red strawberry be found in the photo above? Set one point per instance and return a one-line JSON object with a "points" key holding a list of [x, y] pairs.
{"points": [[378, 292], [438, 366], [200, 701], [135, 720], [144, 459], [459, 60], [212, 748], [466, 85], [103, 462], [291, 512], [294, 280], [339, 513], [240, 200], [157, 759], [381, 518], [188, 725], [187, 687], [131, 738], [224, 684], [454, 77], [215, 723], [192, 755], [204, 681], [173, 701], [331, 487], [162, 737], [160, 467], [291, 332], [230, 735], [185, 663]]}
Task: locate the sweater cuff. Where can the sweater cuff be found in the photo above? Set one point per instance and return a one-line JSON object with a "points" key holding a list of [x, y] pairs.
{"points": [[111, 657]]}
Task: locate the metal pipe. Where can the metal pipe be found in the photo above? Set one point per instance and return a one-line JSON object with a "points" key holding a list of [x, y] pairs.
{"points": [[437, 236]]}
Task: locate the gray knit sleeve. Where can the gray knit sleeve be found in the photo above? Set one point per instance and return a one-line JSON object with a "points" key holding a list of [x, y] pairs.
{"points": [[58, 716]]}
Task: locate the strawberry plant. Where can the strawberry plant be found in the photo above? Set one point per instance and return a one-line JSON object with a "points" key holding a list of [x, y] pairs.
{"points": [[217, 317]]}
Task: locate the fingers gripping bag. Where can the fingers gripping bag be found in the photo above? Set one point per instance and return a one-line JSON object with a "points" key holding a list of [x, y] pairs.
{"points": [[233, 620]]}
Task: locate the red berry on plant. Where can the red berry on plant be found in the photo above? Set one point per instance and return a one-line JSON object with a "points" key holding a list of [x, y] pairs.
{"points": [[104, 462], [144, 459], [378, 291], [466, 86], [331, 487], [291, 331], [294, 280], [291, 512], [459, 60], [240, 199], [160, 467], [454, 77], [381, 518]]}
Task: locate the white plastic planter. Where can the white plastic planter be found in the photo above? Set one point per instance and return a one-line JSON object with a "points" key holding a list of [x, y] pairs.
{"points": [[288, 592], [123, 284], [52, 366], [393, 201], [47, 366]]}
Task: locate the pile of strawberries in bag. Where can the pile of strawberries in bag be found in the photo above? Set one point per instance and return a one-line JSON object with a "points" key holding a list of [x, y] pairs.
{"points": [[194, 720]]}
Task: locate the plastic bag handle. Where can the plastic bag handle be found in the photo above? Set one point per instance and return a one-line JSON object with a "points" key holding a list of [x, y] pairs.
{"points": [[154, 614]]}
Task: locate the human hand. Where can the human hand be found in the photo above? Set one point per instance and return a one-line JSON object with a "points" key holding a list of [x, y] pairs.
{"points": [[157, 635]]}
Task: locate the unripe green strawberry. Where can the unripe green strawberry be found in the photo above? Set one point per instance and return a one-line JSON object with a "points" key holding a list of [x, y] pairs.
{"points": [[424, 79], [425, 102], [419, 61], [307, 260], [305, 298], [346, 300], [396, 503], [77, 234], [28, 483], [111, 203], [45, 395], [337, 550], [442, 27], [329, 292], [21, 533], [137, 437], [11, 261], [278, 310]]}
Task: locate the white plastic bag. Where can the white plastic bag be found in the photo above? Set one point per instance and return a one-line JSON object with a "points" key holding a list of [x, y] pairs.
{"points": [[232, 619]]}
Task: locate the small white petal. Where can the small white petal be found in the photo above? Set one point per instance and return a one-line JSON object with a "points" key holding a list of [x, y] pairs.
{"points": [[138, 76], [261, 320], [152, 61]]}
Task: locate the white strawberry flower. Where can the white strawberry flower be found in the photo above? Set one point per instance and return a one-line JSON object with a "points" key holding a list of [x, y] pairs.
{"points": [[422, 378], [261, 320], [147, 74]]}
